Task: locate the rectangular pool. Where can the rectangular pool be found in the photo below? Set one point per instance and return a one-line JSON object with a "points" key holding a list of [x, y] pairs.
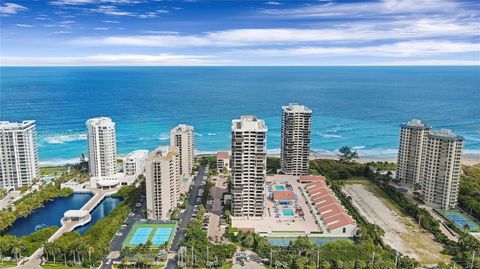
{"points": [[279, 188], [288, 212]]}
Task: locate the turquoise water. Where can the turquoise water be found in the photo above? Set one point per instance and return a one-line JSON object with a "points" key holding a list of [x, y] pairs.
{"points": [[49, 215], [359, 107], [279, 188], [287, 212]]}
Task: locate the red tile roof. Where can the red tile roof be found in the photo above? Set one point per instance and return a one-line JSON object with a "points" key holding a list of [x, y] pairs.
{"points": [[318, 192], [337, 221], [331, 210], [283, 195], [326, 200], [315, 184], [223, 155], [312, 178]]}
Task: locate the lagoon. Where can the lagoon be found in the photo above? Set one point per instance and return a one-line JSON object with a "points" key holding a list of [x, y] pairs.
{"points": [[100, 212], [49, 215]]}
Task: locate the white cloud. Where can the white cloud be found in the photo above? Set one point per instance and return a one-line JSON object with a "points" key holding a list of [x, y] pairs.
{"points": [[111, 21], [101, 28], [401, 49], [11, 8], [275, 3], [406, 30], [364, 9], [24, 25], [85, 2], [164, 59], [111, 10]]}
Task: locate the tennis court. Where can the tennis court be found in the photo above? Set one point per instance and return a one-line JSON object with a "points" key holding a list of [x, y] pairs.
{"points": [[157, 233], [161, 235], [462, 220], [141, 236]]}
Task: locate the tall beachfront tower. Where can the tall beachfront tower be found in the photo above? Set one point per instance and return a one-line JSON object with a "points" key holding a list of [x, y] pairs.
{"points": [[249, 164], [440, 176], [161, 178], [295, 145], [413, 135], [102, 147], [182, 137], [18, 153]]}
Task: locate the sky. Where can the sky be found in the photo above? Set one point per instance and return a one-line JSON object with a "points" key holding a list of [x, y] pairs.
{"points": [[240, 33]]}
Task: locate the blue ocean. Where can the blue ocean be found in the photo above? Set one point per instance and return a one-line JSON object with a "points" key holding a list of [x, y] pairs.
{"points": [[360, 107]]}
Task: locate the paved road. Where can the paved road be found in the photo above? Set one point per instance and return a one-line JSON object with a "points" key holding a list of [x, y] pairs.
{"points": [[116, 243], [186, 216]]}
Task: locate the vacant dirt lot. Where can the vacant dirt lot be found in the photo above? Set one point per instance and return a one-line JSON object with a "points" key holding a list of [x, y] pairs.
{"points": [[401, 233]]}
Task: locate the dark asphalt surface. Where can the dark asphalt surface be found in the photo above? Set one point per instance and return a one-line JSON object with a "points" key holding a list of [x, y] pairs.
{"points": [[186, 216]]}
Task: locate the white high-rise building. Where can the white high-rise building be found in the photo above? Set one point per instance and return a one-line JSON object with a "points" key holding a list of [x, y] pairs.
{"points": [[161, 178], [295, 145], [248, 166], [102, 147], [182, 137], [413, 135], [134, 163], [18, 154], [440, 176]]}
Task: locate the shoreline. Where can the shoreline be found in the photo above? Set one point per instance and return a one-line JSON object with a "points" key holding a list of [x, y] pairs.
{"points": [[467, 159]]}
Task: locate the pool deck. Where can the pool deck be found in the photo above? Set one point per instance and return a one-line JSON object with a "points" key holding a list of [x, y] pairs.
{"points": [[268, 224], [98, 195]]}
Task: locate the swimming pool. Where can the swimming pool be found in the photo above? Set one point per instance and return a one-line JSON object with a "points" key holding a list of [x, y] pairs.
{"points": [[288, 212], [279, 188]]}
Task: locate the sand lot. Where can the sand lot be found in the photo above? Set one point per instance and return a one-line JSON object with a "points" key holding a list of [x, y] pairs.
{"points": [[401, 233]]}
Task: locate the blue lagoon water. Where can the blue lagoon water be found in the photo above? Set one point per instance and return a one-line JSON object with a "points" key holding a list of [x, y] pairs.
{"points": [[360, 107], [49, 215], [100, 212]]}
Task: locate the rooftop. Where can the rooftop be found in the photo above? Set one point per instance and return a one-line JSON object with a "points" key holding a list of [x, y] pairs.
{"points": [[141, 153], [75, 213], [312, 178], [248, 123], [415, 124], [223, 155], [163, 153], [445, 134], [7, 125], [295, 107], [100, 121], [181, 128], [283, 195]]}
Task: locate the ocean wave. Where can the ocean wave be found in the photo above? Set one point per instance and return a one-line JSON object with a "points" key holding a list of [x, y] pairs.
{"points": [[331, 136], [64, 138], [163, 138], [472, 151], [211, 134], [358, 147], [198, 134], [337, 129]]}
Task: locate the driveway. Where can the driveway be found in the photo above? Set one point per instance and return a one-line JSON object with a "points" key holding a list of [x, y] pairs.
{"points": [[186, 216]]}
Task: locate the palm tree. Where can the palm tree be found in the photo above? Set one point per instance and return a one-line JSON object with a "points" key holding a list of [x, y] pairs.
{"points": [[72, 251], [148, 244], [17, 249], [249, 240], [55, 250], [90, 250], [47, 249], [347, 154]]}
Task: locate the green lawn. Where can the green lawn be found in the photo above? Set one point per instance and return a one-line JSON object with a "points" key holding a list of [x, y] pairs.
{"points": [[154, 227], [9, 264], [58, 265], [51, 170]]}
